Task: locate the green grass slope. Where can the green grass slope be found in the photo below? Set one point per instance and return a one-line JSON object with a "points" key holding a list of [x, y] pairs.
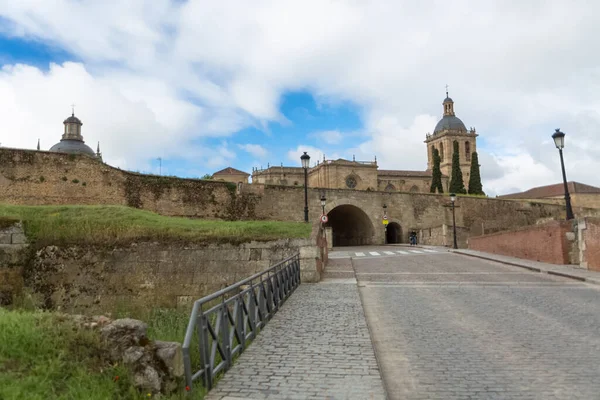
{"points": [[117, 224]]}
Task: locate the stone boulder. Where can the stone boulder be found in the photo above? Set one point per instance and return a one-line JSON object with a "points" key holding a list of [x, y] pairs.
{"points": [[156, 365]]}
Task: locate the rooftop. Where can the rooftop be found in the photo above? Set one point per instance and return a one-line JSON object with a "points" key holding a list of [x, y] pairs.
{"points": [[230, 171], [393, 172], [555, 190]]}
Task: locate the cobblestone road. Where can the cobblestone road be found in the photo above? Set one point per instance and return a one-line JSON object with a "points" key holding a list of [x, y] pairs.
{"points": [[317, 346], [452, 327]]}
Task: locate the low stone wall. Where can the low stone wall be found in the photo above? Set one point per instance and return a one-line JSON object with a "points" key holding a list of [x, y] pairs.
{"points": [[94, 279], [551, 242], [443, 236], [13, 257], [589, 243]]}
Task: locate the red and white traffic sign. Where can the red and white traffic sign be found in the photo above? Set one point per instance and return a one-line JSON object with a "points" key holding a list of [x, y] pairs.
{"points": [[324, 218]]}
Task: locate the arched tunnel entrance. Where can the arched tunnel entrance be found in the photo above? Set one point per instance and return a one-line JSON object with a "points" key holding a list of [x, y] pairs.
{"points": [[350, 226], [393, 233]]}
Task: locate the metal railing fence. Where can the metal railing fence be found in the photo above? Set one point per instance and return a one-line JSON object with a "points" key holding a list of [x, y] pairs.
{"points": [[227, 320]]}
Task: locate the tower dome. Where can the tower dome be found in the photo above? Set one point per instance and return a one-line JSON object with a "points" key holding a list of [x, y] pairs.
{"points": [[449, 121], [72, 141]]}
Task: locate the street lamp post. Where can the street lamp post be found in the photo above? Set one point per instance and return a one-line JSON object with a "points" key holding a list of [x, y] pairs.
{"points": [[323, 202], [452, 200], [559, 141], [384, 224], [305, 158]]}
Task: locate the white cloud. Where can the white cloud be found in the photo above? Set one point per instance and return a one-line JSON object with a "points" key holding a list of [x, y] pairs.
{"points": [[256, 150], [316, 155], [329, 137], [157, 74]]}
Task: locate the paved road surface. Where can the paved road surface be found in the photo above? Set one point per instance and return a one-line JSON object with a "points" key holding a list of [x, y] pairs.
{"points": [[447, 326]]}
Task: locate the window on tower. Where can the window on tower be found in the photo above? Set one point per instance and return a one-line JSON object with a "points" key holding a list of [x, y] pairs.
{"points": [[468, 150], [441, 151]]}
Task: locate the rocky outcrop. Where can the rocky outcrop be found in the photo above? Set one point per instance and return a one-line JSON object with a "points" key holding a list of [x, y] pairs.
{"points": [[156, 366]]}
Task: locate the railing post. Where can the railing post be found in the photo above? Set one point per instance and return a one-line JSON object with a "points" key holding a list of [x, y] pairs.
{"points": [[204, 344], [225, 335], [252, 312], [240, 324], [262, 299]]}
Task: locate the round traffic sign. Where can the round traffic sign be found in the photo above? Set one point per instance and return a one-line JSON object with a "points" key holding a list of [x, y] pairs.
{"points": [[324, 218]]}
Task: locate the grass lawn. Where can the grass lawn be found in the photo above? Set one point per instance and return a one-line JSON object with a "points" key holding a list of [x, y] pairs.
{"points": [[116, 224], [45, 356]]}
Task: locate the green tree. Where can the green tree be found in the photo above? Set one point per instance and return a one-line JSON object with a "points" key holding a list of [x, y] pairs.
{"points": [[456, 181], [436, 178], [207, 176], [475, 186]]}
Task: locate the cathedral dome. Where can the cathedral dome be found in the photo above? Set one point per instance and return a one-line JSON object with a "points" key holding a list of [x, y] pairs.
{"points": [[450, 122], [72, 147], [72, 141]]}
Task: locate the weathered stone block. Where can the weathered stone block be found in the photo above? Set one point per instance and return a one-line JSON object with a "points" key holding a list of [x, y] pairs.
{"points": [[171, 355], [5, 238], [309, 252], [18, 238]]}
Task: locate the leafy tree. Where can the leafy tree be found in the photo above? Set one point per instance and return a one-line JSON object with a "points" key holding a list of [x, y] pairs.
{"points": [[456, 181], [436, 179], [207, 176], [475, 186]]}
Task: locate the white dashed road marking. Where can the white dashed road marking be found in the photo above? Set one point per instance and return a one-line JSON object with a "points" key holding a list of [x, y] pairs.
{"points": [[402, 252], [360, 254], [374, 253], [416, 251], [390, 253]]}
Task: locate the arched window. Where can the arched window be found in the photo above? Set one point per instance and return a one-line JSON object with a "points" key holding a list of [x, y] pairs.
{"points": [[414, 188], [441, 151], [468, 150], [390, 188]]}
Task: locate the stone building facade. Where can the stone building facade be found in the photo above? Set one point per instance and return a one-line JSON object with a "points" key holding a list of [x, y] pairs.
{"points": [[366, 175], [231, 175]]}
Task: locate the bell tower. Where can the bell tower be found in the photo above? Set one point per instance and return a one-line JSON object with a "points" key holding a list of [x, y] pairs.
{"points": [[448, 130]]}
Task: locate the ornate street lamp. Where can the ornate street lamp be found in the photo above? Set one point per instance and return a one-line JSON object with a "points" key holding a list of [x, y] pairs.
{"points": [[323, 202], [452, 200], [559, 141], [385, 224], [305, 158]]}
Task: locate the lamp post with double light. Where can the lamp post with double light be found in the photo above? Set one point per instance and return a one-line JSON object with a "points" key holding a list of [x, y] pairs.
{"points": [[559, 141], [452, 200], [305, 158]]}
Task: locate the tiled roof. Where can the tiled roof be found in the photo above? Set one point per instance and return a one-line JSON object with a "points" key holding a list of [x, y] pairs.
{"points": [[556, 190], [392, 172], [230, 171]]}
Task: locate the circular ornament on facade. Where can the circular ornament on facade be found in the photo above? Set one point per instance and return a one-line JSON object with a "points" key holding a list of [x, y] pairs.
{"points": [[351, 182]]}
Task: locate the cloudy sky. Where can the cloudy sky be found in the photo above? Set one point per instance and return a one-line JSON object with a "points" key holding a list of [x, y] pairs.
{"points": [[208, 84]]}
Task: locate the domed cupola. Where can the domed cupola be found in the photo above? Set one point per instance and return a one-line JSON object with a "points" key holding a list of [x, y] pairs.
{"points": [[449, 121], [72, 141]]}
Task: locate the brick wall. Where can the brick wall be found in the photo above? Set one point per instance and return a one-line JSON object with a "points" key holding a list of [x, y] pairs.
{"points": [[545, 242]]}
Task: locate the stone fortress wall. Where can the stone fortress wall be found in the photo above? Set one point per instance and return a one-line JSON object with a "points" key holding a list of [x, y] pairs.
{"points": [[100, 279], [37, 177]]}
